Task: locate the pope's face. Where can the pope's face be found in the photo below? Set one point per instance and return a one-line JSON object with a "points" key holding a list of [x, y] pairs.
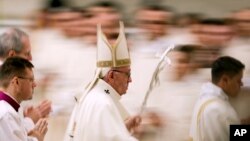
{"points": [[121, 78]]}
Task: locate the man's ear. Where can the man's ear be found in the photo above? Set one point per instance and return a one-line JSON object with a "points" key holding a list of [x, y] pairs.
{"points": [[11, 53], [110, 74], [225, 78], [14, 80]]}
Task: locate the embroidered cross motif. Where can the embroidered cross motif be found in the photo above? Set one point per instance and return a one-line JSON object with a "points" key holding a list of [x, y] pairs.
{"points": [[106, 91]]}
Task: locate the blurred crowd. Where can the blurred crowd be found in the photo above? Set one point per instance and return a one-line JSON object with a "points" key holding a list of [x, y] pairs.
{"points": [[63, 43]]}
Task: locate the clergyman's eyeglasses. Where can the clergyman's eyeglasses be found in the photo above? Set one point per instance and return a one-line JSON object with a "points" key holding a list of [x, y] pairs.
{"points": [[128, 74], [26, 78]]}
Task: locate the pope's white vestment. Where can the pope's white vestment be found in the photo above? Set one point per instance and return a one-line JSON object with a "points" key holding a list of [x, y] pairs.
{"points": [[100, 116], [12, 124], [213, 114]]}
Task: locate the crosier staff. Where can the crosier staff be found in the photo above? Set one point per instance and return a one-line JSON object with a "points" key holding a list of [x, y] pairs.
{"points": [[155, 77]]}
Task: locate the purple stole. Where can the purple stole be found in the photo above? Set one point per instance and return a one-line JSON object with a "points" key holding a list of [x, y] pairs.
{"points": [[9, 100]]}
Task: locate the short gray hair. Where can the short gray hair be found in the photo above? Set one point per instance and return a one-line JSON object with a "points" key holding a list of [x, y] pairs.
{"points": [[11, 40]]}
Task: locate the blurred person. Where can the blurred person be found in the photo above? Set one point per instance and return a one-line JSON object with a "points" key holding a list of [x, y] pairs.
{"points": [[183, 63], [59, 37], [71, 21], [148, 41], [183, 25], [153, 23], [62, 47], [57, 14], [213, 113], [213, 35], [241, 18], [187, 19], [108, 14], [17, 84], [98, 106], [15, 42], [170, 105], [239, 49], [152, 36]]}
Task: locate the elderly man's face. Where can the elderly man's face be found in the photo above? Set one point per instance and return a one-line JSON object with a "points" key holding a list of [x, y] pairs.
{"points": [[26, 50], [121, 79]]}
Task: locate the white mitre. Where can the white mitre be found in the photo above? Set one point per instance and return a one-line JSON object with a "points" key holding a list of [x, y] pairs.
{"points": [[109, 55]]}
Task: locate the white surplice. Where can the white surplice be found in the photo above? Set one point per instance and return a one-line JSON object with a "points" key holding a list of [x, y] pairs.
{"points": [[28, 122], [100, 116], [12, 124], [213, 114]]}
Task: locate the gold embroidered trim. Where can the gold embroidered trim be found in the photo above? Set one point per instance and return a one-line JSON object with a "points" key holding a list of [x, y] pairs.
{"points": [[122, 62], [203, 106]]}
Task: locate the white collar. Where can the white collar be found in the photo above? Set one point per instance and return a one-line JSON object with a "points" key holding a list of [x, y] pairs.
{"points": [[114, 96], [110, 90], [210, 89]]}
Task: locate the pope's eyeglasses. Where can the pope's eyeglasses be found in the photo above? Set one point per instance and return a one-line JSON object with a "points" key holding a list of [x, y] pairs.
{"points": [[128, 74]]}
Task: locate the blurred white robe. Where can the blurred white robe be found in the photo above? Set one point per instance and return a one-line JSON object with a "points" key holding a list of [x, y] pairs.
{"points": [[68, 65], [174, 102], [239, 49]]}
